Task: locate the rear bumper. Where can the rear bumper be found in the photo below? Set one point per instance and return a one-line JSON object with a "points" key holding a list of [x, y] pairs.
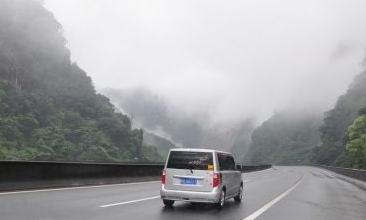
{"points": [[190, 196]]}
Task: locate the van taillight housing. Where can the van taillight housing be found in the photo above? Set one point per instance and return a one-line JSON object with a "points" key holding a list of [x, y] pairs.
{"points": [[163, 177], [216, 180]]}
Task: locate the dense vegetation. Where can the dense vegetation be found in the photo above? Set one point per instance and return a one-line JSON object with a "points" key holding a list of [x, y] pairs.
{"points": [[286, 138], [356, 142], [49, 109], [349, 106]]}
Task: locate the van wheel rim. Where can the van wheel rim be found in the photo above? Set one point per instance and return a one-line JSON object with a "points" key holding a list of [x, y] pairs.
{"points": [[222, 199], [241, 192]]}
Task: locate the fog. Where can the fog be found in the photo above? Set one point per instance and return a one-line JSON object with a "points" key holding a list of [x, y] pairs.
{"points": [[228, 59]]}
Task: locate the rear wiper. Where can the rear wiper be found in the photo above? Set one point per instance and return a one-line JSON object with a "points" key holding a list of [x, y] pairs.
{"points": [[190, 167]]}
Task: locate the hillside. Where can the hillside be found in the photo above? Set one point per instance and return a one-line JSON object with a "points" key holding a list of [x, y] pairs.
{"points": [[161, 144], [286, 138], [333, 130], [49, 109]]}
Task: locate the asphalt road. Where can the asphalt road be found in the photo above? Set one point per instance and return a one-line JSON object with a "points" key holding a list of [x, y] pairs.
{"points": [[278, 193]]}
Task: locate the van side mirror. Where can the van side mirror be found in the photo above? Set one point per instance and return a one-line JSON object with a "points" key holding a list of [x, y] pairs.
{"points": [[238, 167]]}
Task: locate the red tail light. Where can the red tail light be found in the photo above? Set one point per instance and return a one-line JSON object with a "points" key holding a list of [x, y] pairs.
{"points": [[216, 180], [162, 177]]}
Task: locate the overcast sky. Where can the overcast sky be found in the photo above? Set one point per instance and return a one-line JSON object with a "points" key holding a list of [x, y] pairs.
{"points": [[232, 59]]}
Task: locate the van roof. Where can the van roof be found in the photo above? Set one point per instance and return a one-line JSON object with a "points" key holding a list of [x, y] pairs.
{"points": [[199, 150]]}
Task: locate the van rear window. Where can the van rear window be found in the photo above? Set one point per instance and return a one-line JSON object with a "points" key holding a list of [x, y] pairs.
{"points": [[190, 160]]}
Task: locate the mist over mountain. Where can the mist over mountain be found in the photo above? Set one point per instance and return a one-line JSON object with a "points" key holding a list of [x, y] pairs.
{"points": [[228, 62], [152, 113], [159, 116], [255, 80], [243, 140], [290, 136], [208, 76]]}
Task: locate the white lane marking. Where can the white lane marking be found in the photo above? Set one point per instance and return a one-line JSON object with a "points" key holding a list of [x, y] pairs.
{"points": [[77, 187], [129, 202], [260, 211]]}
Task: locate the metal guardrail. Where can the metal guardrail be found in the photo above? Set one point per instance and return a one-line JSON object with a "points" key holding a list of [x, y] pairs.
{"points": [[250, 168], [354, 173], [15, 175]]}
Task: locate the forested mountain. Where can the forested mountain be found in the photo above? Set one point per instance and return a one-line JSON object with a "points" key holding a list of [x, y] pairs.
{"points": [[336, 122], [286, 138], [49, 109]]}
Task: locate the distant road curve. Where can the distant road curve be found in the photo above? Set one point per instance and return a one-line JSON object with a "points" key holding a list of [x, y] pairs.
{"points": [[300, 193]]}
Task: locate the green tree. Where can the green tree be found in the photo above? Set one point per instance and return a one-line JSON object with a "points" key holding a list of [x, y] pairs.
{"points": [[356, 142]]}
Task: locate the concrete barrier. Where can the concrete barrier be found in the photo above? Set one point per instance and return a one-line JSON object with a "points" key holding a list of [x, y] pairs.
{"points": [[19, 175], [15, 175]]}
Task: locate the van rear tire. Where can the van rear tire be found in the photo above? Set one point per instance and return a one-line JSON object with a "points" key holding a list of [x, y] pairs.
{"points": [[222, 199], [239, 197], [168, 203]]}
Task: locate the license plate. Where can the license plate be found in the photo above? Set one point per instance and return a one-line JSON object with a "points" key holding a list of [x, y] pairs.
{"points": [[188, 181]]}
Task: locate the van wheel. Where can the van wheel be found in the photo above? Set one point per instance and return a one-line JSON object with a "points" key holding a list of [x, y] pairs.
{"points": [[239, 197], [168, 203], [221, 202]]}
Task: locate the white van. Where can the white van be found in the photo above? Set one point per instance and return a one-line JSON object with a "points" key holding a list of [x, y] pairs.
{"points": [[200, 175]]}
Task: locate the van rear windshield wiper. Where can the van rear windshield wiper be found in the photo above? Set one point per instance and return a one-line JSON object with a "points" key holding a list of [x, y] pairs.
{"points": [[190, 167]]}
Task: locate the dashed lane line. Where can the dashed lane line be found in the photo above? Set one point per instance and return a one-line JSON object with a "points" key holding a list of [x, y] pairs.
{"points": [[129, 202], [260, 211], [77, 187]]}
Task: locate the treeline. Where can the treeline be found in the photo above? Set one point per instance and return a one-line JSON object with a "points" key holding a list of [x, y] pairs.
{"points": [[336, 138], [49, 109]]}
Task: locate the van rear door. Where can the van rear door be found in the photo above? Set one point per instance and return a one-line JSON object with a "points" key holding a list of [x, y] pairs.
{"points": [[189, 171]]}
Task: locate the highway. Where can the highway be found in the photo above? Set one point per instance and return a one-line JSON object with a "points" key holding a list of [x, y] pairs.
{"points": [[300, 193]]}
